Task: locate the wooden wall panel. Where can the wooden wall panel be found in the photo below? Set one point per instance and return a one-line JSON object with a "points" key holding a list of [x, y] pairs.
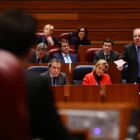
{"points": [[104, 18], [70, 4], [95, 24]]}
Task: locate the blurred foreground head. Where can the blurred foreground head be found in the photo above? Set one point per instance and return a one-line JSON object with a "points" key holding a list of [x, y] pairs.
{"points": [[17, 31]]}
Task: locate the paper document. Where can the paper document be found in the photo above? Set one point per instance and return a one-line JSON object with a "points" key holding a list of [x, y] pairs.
{"points": [[119, 62]]}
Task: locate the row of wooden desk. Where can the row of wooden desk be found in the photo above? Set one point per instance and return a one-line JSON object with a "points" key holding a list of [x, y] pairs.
{"points": [[114, 74], [115, 97], [114, 93]]}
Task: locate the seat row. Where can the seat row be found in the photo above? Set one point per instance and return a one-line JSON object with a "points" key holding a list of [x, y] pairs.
{"points": [[85, 53], [77, 72]]}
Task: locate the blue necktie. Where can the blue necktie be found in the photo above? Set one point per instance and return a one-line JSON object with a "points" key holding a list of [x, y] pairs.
{"points": [[68, 60], [138, 55], [54, 78]]}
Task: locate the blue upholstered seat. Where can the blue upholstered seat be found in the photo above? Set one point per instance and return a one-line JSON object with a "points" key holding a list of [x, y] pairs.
{"points": [[37, 69], [79, 72], [124, 74]]}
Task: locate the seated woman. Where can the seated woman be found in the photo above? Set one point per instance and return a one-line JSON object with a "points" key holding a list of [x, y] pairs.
{"points": [[47, 37], [81, 38], [97, 76]]}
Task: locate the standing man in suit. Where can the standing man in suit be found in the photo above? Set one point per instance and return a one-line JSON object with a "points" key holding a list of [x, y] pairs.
{"points": [[106, 53], [131, 55], [64, 55], [54, 76], [40, 55]]}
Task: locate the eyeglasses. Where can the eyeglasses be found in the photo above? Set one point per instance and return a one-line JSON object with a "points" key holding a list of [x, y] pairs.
{"points": [[66, 46], [82, 31]]}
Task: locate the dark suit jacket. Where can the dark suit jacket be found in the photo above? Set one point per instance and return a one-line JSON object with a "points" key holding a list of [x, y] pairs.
{"points": [[130, 55], [59, 55], [45, 122], [61, 78], [100, 55], [45, 59], [39, 40]]}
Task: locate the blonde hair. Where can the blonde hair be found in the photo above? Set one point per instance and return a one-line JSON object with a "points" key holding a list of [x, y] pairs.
{"points": [[49, 26], [101, 62]]}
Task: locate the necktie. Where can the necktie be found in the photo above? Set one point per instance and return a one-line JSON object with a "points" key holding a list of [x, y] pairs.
{"points": [[38, 60], [54, 78], [106, 58], [68, 60], [138, 48]]}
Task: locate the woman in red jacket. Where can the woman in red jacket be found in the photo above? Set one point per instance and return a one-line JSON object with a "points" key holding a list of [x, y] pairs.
{"points": [[97, 76]]}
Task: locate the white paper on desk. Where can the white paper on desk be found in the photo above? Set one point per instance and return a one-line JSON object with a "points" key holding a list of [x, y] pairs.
{"points": [[119, 62]]}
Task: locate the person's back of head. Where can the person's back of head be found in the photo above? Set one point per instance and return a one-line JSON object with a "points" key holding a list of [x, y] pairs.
{"points": [[17, 31]]}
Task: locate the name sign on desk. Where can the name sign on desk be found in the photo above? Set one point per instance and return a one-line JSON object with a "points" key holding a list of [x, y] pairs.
{"points": [[102, 124]]}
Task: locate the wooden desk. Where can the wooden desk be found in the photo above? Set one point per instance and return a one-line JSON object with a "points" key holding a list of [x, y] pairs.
{"points": [[121, 93], [84, 93], [77, 93], [58, 93], [114, 74]]}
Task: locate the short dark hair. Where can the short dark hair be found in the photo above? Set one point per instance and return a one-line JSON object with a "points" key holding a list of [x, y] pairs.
{"points": [[17, 31], [108, 40], [62, 40], [54, 60]]}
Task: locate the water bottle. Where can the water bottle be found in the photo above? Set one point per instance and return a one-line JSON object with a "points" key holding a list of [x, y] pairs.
{"points": [[55, 83], [135, 82], [96, 83]]}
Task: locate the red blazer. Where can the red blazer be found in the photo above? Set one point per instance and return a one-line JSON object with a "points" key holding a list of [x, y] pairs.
{"points": [[90, 80]]}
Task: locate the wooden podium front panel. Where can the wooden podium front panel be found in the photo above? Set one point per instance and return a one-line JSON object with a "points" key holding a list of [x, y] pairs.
{"points": [[114, 74], [121, 93], [58, 93], [84, 93]]}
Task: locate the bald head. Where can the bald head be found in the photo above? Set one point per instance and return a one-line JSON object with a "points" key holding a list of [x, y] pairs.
{"points": [[136, 36]]}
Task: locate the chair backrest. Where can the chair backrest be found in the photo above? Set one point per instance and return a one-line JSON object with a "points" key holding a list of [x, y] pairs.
{"points": [[64, 36], [14, 117], [89, 56], [124, 74], [37, 69], [52, 51], [79, 73], [72, 34]]}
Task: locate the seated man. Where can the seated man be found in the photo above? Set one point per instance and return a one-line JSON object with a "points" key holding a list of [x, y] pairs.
{"points": [[40, 55], [64, 55], [54, 76], [106, 53]]}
